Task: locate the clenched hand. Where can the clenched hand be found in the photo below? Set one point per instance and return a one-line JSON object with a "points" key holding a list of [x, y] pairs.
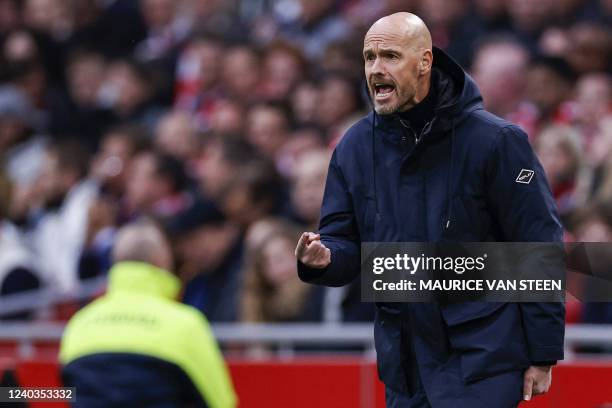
{"points": [[311, 251]]}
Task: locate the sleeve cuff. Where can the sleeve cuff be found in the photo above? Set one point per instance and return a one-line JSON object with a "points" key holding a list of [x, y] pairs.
{"points": [[308, 274], [544, 363]]}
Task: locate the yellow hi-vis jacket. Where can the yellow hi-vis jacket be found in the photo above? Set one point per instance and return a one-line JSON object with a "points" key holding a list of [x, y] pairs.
{"points": [[139, 316]]}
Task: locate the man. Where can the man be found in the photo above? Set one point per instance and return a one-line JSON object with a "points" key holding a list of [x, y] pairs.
{"points": [[430, 164], [136, 346]]}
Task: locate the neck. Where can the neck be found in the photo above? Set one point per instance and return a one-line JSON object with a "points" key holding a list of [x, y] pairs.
{"points": [[422, 112], [421, 93]]}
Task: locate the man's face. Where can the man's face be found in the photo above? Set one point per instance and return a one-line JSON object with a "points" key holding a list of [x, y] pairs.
{"points": [[391, 69]]}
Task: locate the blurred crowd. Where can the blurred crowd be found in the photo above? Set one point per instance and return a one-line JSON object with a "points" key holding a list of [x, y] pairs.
{"points": [[217, 119]]}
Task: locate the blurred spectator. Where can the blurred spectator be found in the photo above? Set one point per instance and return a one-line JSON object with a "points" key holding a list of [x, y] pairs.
{"points": [[227, 117], [300, 142], [283, 67], [339, 102], [555, 42], [128, 90], [10, 17], [550, 82], [241, 73], [590, 48], [54, 17], [500, 69], [255, 192], [344, 58], [18, 269], [85, 71], [593, 102], [166, 28], [272, 291], [26, 67], [529, 19], [315, 27], [58, 222], [304, 102], [601, 153], [175, 136], [21, 147], [156, 186], [218, 16], [492, 15], [562, 157], [112, 28], [212, 259], [80, 110], [267, 128], [110, 164], [307, 187], [109, 170], [592, 224], [220, 162], [361, 14], [198, 72], [451, 27]]}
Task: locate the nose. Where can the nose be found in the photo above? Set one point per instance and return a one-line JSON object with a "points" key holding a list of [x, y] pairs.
{"points": [[377, 68]]}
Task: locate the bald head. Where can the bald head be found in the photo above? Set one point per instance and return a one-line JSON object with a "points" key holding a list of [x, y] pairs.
{"points": [[142, 242], [407, 27], [398, 58]]}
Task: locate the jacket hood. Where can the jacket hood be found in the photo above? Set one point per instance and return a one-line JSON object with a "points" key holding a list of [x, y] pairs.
{"points": [[458, 94]]}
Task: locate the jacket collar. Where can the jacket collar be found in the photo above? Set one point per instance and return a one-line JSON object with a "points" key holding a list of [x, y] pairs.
{"points": [[143, 278]]}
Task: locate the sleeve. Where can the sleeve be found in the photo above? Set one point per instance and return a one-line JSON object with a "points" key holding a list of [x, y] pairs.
{"points": [[204, 365], [523, 204], [339, 233]]}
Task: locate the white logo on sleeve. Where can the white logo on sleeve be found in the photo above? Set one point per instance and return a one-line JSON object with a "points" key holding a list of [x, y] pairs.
{"points": [[525, 176]]}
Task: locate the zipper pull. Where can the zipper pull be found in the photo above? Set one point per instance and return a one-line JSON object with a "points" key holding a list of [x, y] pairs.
{"points": [[417, 139]]}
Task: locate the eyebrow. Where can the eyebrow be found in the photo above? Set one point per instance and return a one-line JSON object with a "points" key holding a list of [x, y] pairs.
{"points": [[382, 50]]}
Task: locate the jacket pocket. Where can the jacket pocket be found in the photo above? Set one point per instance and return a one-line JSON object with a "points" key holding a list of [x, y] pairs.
{"points": [[490, 342]]}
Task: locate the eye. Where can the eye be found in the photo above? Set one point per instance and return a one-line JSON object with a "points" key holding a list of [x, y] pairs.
{"points": [[369, 57]]}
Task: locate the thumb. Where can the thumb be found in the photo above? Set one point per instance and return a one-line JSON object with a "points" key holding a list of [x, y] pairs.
{"points": [[527, 387]]}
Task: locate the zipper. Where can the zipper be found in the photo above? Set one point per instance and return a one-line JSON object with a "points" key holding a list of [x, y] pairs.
{"points": [[417, 137], [404, 138]]}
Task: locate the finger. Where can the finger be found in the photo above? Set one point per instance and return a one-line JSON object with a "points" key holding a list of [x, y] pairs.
{"points": [[538, 388], [309, 251], [327, 255], [317, 253], [301, 245], [313, 237], [527, 387], [314, 249]]}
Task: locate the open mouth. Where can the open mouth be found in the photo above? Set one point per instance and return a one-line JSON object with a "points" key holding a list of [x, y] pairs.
{"points": [[383, 90]]}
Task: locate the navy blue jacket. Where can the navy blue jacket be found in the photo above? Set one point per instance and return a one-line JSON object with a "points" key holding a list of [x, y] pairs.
{"points": [[456, 183]]}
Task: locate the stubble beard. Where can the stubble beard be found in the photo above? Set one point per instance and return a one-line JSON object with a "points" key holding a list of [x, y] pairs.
{"points": [[393, 107]]}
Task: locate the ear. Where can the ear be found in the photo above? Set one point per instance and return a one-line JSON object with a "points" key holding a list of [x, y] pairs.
{"points": [[426, 62]]}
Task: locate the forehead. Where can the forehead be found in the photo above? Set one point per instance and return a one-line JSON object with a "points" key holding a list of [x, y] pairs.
{"points": [[385, 37]]}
